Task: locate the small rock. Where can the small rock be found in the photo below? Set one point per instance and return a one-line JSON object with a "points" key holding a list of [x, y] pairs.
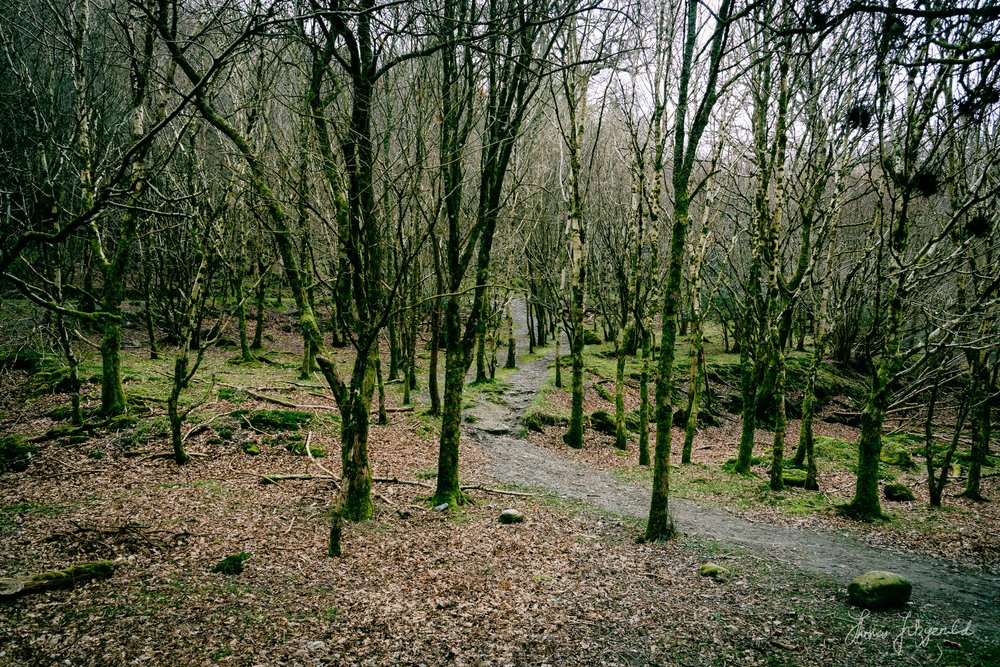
{"points": [[403, 514], [511, 515], [441, 508], [717, 572], [898, 492], [878, 589]]}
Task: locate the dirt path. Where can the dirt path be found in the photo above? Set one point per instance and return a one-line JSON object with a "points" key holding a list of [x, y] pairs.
{"points": [[959, 594]]}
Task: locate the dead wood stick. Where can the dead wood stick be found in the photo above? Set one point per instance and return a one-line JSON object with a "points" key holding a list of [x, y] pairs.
{"points": [[499, 492], [44, 581], [170, 455], [303, 384], [277, 401], [311, 458], [396, 480], [82, 471], [274, 479], [195, 430]]}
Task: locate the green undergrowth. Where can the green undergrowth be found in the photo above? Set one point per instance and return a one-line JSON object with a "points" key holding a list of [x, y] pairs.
{"points": [[275, 420], [721, 487]]}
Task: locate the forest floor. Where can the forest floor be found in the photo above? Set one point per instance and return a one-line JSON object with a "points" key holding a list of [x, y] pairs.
{"points": [[572, 585]]}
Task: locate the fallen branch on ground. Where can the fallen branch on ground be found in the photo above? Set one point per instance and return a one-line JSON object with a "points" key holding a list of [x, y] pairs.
{"points": [[500, 492], [45, 581], [170, 455], [277, 401], [275, 479], [396, 480]]}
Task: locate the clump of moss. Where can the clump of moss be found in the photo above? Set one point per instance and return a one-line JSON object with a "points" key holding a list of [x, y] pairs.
{"points": [[276, 420], [298, 447], [61, 413], [604, 393], [232, 395], [16, 453], [602, 422], [50, 379], [232, 565], [535, 421]]}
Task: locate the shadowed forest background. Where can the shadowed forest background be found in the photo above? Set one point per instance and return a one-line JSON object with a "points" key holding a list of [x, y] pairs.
{"points": [[672, 281]]}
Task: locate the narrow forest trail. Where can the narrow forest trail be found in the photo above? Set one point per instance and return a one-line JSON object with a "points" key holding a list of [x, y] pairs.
{"points": [[958, 594]]}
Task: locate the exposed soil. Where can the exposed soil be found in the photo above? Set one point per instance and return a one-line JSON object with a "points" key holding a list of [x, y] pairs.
{"points": [[960, 592]]}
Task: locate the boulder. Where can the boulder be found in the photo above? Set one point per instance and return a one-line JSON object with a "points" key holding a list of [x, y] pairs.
{"points": [[879, 590], [511, 515], [898, 492], [602, 422]]}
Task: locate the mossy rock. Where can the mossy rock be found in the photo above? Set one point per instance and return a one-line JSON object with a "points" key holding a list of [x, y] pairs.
{"points": [[717, 572], [276, 420], [705, 418], [590, 337], [632, 421], [511, 515], [232, 565], [879, 590], [898, 493], [794, 477], [602, 422], [535, 421], [49, 379], [895, 456], [16, 453], [298, 448]]}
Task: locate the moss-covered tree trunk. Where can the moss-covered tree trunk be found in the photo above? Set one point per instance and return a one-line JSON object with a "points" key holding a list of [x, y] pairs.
{"points": [[980, 421], [258, 333], [621, 433], [686, 140], [865, 504], [694, 388], [173, 402], [448, 489], [644, 403], [511, 361], [575, 87]]}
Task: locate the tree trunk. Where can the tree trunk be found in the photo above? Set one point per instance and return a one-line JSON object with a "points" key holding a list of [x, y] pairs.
{"points": [[981, 427], [621, 434], [448, 489], [258, 334], [511, 361]]}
